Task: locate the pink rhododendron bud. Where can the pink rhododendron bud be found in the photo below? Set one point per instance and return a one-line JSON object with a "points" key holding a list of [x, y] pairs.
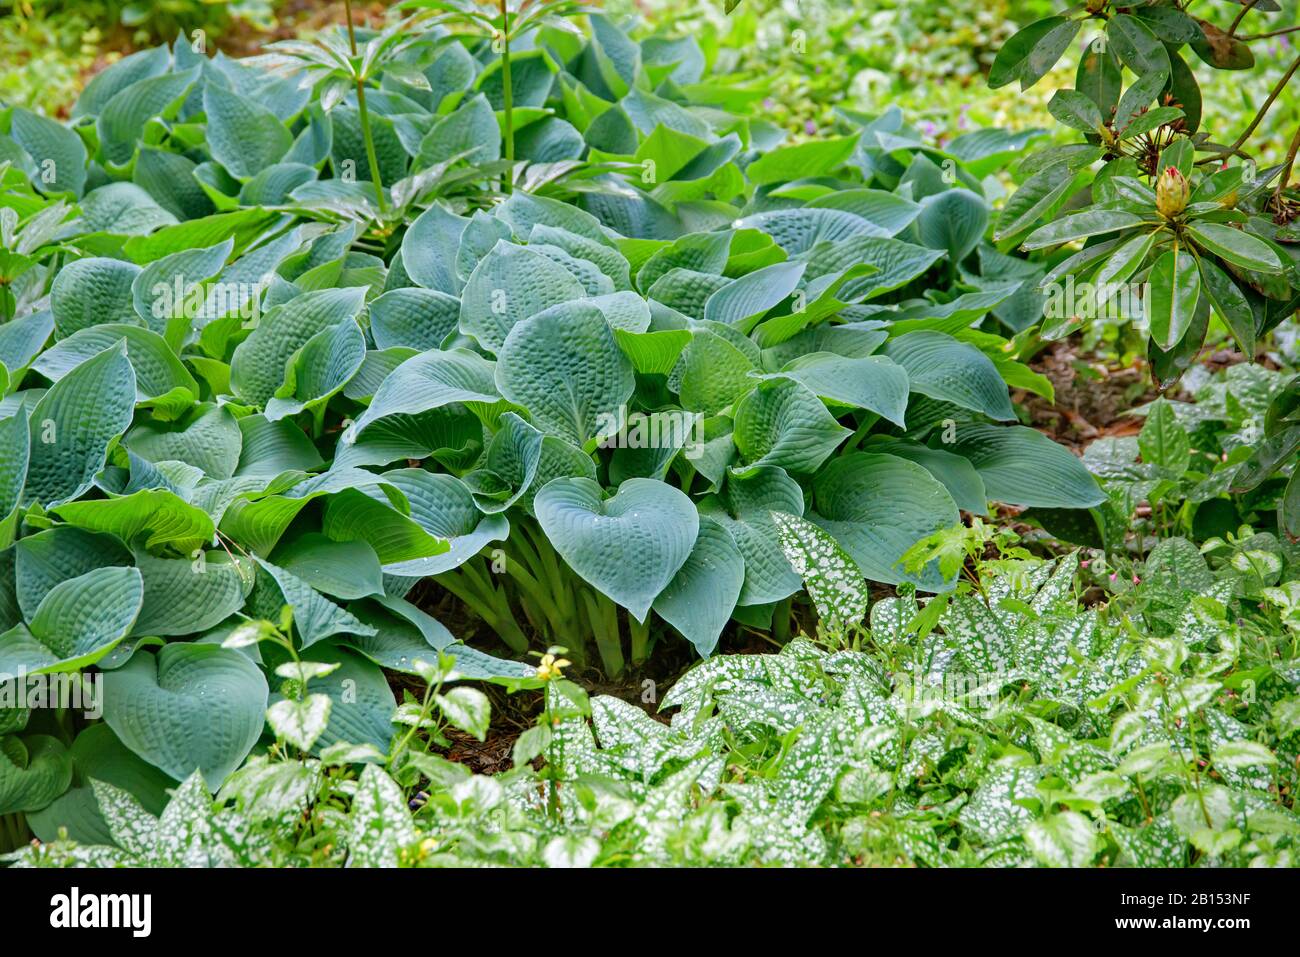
{"points": [[1172, 191]]}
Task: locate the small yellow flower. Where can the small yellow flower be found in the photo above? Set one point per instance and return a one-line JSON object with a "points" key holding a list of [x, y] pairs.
{"points": [[552, 667]]}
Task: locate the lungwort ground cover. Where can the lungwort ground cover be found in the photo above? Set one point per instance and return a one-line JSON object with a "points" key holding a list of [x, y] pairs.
{"points": [[537, 311]]}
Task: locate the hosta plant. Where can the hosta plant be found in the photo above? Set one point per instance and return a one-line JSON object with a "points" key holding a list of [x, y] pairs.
{"points": [[285, 370]]}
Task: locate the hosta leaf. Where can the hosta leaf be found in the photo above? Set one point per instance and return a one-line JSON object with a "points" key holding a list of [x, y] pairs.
{"points": [[799, 230], [314, 616], [74, 423], [92, 291], [208, 438], [1021, 466], [744, 508], [344, 569], [429, 381], [953, 221], [185, 596], [700, 597], [258, 366], [876, 506], [54, 148], [159, 372], [190, 707], [161, 516], [33, 772], [509, 285], [745, 301], [243, 136], [943, 368], [415, 318], [321, 368], [564, 366], [630, 546], [121, 124], [78, 622], [874, 382], [784, 424]]}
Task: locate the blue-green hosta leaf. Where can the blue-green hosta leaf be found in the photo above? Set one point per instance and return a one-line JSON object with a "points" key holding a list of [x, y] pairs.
{"points": [[526, 213], [379, 824], [799, 230], [744, 508], [190, 707], [21, 340], [470, 132], [33, 772], [362, 703], [564, 366], [897, 263], [267, 448], [314, 616], [93, 291], [889, 211], [78, 622], [415, 318], [834, 582], [344, 569], [875, 383], [877, 506], [700, 597], [54, 148], [509, 285], [628, 547], [783, 423], [943, 368], [429, 249], [687, 291], [607, 259], [122, 123], [57, 554], [954, 471], [161, 379], [1021, 466], [320, 369], [170, 288], [118, 76], [430, 380], [403, 634], [15, 442], [509, 468], [714, 373], [243, 136], [744, 302], [697, 252], [257, 368], [97, 755], [75, 422], [122, 209], [953, 221], [208, 438], [186, 596]]}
